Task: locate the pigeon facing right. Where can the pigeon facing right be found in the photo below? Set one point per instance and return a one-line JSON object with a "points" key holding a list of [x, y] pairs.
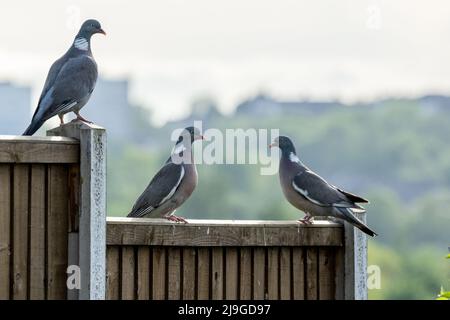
{"points": [[311, 194], [173, 184], [70, 81]]}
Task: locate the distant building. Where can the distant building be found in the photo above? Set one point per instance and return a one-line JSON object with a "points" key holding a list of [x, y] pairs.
{"points": [[109, 107], [263, 105], [15, 107]]}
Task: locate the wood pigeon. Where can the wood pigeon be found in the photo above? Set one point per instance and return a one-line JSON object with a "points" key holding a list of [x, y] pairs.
{"points": [[173, 184], [311, 194], [70, 81]]}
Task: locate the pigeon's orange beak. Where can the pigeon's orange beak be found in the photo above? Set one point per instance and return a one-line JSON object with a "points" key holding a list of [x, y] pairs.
{"points": [[102, 31]]}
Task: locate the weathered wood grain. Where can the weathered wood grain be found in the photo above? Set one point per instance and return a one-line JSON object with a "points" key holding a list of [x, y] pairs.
{"points": [[144, 272], [245, 274], [339, 273], [57, 235], [259, 273], [43, 150], [203, 273], [231, 273], [135, 231], [217, 273], [285, 273], [174, 273], [128, 275], [311, 274], [298, 273], [326, 274], [113, 277], [74, 197], [189, 281], [20, 232], [5, 225], [37, 231], [159, 273], [273, 273]]}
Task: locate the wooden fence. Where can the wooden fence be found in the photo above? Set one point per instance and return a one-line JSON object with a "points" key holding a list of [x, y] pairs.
{"points": [[36, 189], [53, 215], [213, 259]]}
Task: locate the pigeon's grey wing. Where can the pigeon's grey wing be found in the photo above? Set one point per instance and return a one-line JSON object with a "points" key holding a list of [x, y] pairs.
{"points": [[51, 77], [316, 190], [73, 83], [160, 189]]}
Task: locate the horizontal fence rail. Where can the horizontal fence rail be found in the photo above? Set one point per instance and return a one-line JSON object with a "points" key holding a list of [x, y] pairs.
{"points": [[208, 259]]}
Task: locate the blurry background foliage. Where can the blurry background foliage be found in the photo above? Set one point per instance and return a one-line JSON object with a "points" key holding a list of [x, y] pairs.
{"points": [[396, 154]]}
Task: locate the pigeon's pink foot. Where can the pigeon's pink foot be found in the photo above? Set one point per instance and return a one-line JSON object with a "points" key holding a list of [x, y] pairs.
{"points": [[79, 117], [176, 218], [306, 220], [61, 119], [83, 119]]}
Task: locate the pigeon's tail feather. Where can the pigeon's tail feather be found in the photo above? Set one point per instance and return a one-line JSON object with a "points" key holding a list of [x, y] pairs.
{"points": [[33, 127], [347, 215], [353, 197]]}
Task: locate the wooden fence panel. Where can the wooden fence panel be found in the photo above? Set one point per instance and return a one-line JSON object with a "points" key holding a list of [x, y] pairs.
{"points": [[144, 272], [34, 202], [113, 275], [20, 231], [37, 231], [189, 274], [231, 275], [219, 272], [5, 226]]}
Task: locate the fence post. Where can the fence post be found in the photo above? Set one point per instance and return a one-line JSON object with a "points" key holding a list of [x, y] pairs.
{"points": [[355, 261], [87, 247]]}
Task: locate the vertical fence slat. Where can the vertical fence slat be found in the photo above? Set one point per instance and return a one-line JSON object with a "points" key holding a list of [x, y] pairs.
{"points": [[5, 215], [272, 273], [326, 274], [143, 289], [189, 285], [298, 270], [245, 277], [311, 273], [217, 273], [57, 221], [285, 273], [231, 274], [20, 231], [259, 274], [339, 281], [112, 273], [37, 232], [159, 273], [174, 275], [203, 273], [128, 275]]}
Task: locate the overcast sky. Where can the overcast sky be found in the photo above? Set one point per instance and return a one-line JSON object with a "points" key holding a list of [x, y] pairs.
{"points": [[174, 51]]}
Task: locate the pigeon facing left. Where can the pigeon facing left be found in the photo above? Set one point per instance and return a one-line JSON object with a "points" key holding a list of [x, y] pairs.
{"points": [[70, 81], [173, 184], [311, 194]]}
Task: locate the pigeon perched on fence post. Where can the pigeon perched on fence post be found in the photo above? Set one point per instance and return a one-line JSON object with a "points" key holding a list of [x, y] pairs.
{"points": [[173, 184], [70, 81], [311, 194]]}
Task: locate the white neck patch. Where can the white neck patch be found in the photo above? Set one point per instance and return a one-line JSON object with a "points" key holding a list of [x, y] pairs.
{"points": [[294, 158], [179, 148], [81, 44]]}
